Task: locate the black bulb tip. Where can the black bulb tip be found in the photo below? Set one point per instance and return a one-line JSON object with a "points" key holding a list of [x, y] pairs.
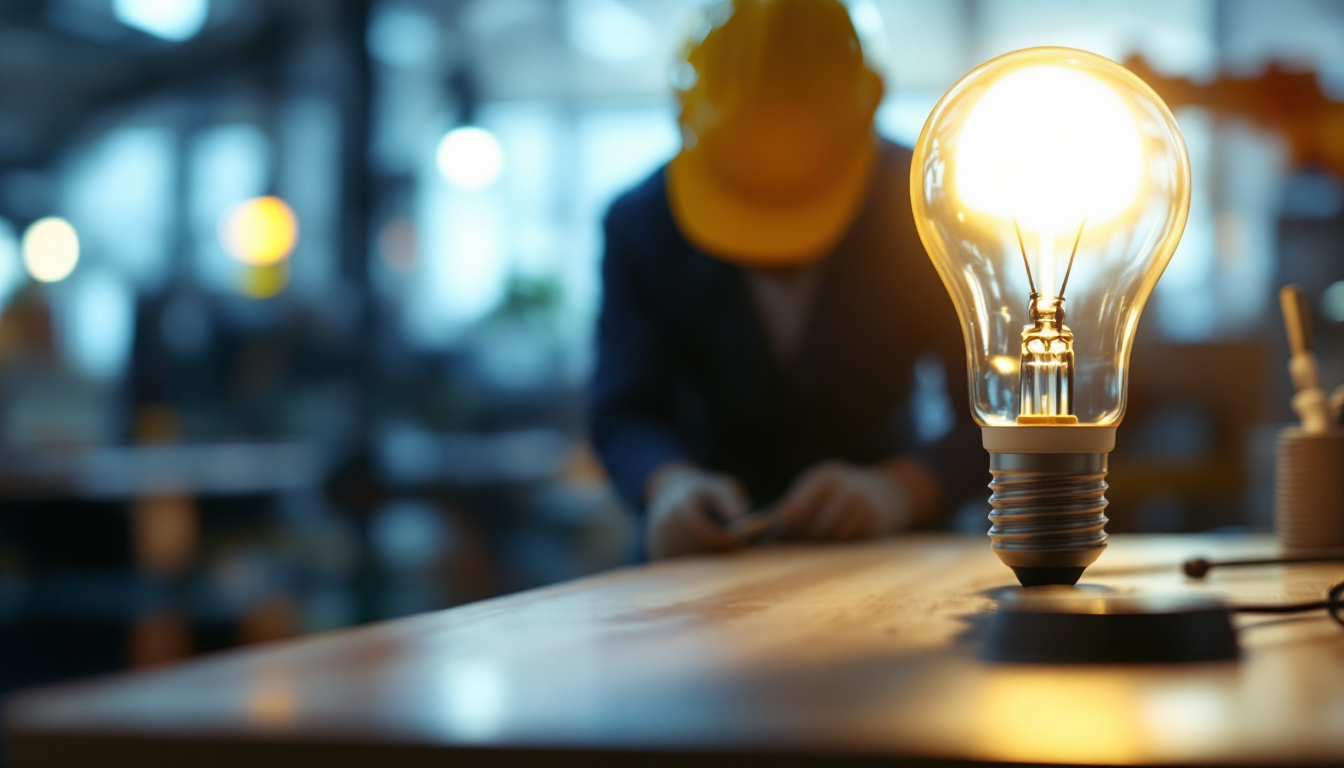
{"points": [[1036, 577]]}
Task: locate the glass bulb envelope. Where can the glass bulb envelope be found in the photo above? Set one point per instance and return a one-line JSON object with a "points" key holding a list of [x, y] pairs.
{"points": [[1050, 187]]}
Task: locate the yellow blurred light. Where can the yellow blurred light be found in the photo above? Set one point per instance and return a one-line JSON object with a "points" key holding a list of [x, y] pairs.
{"points": [[265, 281], [1031, 716], [1004, 364], [259, 231], [272, 701], [1050, 147], [50, 249]]}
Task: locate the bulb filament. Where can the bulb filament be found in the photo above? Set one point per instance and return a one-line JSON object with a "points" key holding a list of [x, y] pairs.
{"points": [[1046, 370], [1046, 384]]}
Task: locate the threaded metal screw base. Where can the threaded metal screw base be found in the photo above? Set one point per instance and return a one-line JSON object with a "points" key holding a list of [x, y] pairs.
{"points": [[1049, 516]]}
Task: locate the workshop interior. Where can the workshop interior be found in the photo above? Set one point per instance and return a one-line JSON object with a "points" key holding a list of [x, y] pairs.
{"points": [[315, 315]]}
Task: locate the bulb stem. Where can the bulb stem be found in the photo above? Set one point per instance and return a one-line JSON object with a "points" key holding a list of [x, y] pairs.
{"points": [[1045, 381]]}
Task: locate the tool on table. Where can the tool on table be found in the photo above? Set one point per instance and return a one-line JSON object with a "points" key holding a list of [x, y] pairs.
{"points": [[1309, 460], [761, 525], [1310, 401]]}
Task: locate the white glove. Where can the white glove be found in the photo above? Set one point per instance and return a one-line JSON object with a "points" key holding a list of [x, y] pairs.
{"points": [[690, 511]]}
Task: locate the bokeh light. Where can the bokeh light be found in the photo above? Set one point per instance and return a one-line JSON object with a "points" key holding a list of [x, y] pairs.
{"points": [[50, 249], [11, 273], [1332, 302], [172, 20], [402, 35], [259, 231], [470, 158], [608, 30], [399, 244], [264, 281]]}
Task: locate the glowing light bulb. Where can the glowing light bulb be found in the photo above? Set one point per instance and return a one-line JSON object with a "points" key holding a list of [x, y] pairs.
{"points": [[259, 232], [50, 249], [1046, 176]]}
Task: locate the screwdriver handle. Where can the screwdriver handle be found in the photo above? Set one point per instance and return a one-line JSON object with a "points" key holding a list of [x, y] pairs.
{"points": [[1296, 318]]}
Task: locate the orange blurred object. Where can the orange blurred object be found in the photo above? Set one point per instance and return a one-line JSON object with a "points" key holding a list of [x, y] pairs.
{"points": [[275, 618], [165, 533], [157, 423], [159, 638], [1279, 99], [777, 104]]}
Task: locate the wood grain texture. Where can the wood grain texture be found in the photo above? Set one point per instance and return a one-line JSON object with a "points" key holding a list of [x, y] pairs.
{"points": [[794, 655]]}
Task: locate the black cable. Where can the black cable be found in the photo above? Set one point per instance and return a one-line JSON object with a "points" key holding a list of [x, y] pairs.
{"points": [[1199, 567], [1334, 602], [1281, 607]]}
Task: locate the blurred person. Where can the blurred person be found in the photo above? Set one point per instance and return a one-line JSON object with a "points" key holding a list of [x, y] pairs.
{"points": [[767, 300]]}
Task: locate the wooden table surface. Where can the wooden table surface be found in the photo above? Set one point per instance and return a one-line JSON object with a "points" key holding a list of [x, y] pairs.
{"points": [[774, 656]]}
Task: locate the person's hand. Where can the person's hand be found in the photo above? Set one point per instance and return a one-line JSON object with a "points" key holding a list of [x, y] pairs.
{"points": [[841, 502], [690, 510]]}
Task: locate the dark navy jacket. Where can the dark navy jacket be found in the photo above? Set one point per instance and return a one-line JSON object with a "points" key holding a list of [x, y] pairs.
{"points": [[685, 371]]}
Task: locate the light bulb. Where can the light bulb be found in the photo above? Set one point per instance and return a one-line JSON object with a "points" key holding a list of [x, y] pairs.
{"points": [[1043, 178]]}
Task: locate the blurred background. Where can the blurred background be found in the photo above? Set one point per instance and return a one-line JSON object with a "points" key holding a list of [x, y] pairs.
{"points": [[298, 295]]}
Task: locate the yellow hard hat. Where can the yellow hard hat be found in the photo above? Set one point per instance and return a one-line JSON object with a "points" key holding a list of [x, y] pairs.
{"points": [[777, 103]]}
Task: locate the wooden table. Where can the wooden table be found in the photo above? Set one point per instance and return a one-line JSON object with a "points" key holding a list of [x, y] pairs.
{"points": [[770, 657]]}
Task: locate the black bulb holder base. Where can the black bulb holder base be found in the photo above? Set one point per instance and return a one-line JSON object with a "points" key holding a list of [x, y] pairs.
{"points": [[1082, 625]]}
